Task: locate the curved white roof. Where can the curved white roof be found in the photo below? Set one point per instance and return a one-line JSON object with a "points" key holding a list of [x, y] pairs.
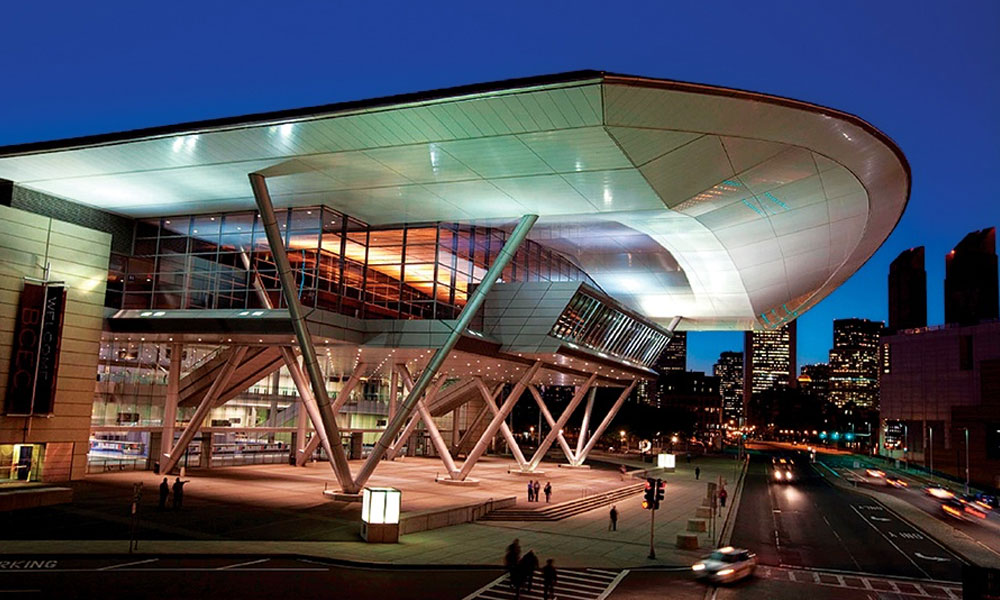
{"points": [[731, 209]]}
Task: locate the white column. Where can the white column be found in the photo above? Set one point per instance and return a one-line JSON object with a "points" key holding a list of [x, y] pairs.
{"points": [[169, 421], [604, 424], [554, 432]]}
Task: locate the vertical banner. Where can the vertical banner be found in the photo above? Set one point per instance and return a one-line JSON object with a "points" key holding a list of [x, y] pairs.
{"points": [[34, 360]]}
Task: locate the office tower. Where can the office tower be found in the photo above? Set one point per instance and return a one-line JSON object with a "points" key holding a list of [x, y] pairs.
{"points": [[970, 283], [854, 362], [908, 291], [769, 360], [729, 370], [815, 381], [674, 356]]}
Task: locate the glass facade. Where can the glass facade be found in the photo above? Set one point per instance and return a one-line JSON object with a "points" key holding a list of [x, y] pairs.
{"points": [[605, 329], [340, 264]]}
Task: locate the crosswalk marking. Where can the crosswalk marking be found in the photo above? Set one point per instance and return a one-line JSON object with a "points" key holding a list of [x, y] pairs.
{"points": [[900, 586], [571, 584]]}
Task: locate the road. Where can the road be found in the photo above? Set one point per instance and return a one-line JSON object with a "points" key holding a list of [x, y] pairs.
{"points": [[811, 524], [246, 578], [986, 531]]}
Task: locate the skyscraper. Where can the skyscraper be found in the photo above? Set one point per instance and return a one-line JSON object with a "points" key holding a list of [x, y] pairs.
{"points": [[908, 291], [815, 381], [970, 282], [854, 362], [674, 356], [769, 360], [729, 370]]}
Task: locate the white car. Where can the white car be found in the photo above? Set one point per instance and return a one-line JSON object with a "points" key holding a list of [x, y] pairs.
{"points": [[726, 565]]}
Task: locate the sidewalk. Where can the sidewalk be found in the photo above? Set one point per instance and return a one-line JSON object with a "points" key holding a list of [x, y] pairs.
{"points": [[582, 540]]}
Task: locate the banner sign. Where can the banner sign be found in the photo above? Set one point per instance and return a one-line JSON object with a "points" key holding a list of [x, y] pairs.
{"points": [[34, 359]]}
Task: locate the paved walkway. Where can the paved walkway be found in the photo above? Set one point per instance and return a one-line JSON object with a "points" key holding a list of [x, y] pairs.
{"points": [[287, 514]]}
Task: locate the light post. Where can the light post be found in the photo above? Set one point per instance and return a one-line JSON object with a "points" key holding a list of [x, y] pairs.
{"points": [[906, 446], [966, 460], [624, 441], [930, 431]]}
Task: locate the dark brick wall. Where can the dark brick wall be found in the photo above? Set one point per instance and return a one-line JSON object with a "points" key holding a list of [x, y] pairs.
{"points": [[121, 228]]}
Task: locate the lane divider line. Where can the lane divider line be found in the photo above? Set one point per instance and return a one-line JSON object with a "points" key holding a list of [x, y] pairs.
{"points": [[128, 564]]}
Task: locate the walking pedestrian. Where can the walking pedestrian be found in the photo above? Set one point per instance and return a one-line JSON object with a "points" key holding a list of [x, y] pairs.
{"points": [[613, 525], [549, 581], [511, 559], [178, 493], [538, 488], [529, 563], [164, 492], [623, 470], [531, 491], [697, 473], [548, 491], [723, 494]]}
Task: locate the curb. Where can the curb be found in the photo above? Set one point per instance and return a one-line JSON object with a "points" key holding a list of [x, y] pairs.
{"points": [[730, 524]]}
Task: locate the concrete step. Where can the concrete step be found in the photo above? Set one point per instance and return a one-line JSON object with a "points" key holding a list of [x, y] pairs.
{"points": [[557, 512]]}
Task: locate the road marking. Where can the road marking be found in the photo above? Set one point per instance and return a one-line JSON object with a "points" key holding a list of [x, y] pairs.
{"points": [[128, 564], [823, 464], [862, 581], [574, 584], [934, 558], [613, 585], [243, 564], [882, 519], [886, 538]]}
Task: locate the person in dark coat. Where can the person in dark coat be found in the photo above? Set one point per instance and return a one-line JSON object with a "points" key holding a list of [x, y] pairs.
{"points": [[178, 492], [549, 580], [723, 494], [510, 561], [613, 525], [164, 492], [697, 472], [548, 491], [528, 566], [538, 488], [531, 491]]}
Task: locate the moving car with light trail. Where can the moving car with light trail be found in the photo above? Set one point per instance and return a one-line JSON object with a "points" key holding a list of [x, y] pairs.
{"points": [[726, 565], [782, 470]]}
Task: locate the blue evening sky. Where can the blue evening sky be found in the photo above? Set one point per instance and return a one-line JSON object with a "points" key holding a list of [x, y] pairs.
{"points": [[926, 73]]}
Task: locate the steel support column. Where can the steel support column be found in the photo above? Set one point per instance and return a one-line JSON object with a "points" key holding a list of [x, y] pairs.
{"points": [[582, 438], [477, 420], [411, 425], [311, 408], [557, 428], [552, 423], [469, 311], [201, 412], [310, 360], [170, 403], [505, 431], [491, 429], [604, 424], [437, 439]]}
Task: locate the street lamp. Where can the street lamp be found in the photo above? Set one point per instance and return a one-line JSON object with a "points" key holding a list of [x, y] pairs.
{"points": [[966, 459]]}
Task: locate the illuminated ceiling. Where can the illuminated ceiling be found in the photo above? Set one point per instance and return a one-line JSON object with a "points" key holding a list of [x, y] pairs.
{"points": [[732, 209]]}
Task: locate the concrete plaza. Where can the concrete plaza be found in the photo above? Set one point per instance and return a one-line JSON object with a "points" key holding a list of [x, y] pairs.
{"points": [[276, 509]]}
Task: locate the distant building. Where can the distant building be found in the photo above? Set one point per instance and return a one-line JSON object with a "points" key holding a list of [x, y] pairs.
{"points": [[970, 284], [854, 362], [674, 356], [908, 291], [814, 381], [693, 399], [769, 360], [944, 379], [729, 370]]}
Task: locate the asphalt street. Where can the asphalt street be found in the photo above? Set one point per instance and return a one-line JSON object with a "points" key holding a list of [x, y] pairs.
{"points": [[809, 523], [246, 578]]}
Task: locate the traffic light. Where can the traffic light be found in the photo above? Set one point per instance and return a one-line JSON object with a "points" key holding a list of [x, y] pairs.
{"points": [[649, 496], [661, 486]]}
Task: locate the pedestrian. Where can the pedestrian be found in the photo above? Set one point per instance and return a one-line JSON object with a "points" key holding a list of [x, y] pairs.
{"points": [[548, 491], [164, 492], [511, 559], [697, 473], [549, 581], [538, 488], [623, 470], [723, 494], [613, 525], [178, 493], [529, 563], [531, 490]]}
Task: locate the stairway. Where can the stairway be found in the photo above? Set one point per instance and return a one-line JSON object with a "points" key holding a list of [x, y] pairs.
{"points": [[557, 512]]}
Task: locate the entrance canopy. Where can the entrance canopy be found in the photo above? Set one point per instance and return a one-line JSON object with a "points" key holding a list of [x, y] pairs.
{"points": [[731, 209]]}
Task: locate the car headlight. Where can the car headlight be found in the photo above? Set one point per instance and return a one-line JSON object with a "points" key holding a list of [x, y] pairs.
{"points": [[698, 567], [725, 572], [777, 474]]}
